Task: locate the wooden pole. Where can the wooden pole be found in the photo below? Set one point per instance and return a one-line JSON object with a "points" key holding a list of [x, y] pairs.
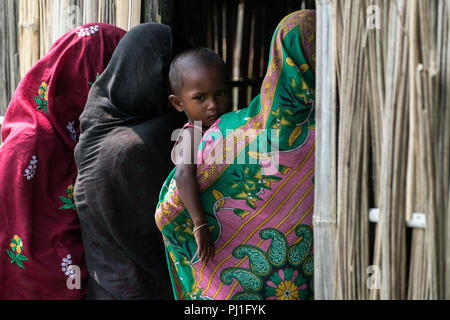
{"points": [[46, 27], [324, 219], [237, 53], [159, 10], [9, 55], [127, 13], [28, 34]]}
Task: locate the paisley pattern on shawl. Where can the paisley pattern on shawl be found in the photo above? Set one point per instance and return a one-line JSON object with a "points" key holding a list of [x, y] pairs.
{"points": [[256, 175]]}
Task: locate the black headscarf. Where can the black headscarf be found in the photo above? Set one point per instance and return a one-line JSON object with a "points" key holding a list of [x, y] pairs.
{"points": [[123, 158]]}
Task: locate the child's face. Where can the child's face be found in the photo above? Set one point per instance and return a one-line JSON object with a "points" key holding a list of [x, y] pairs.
{"points": [[204, 95]]}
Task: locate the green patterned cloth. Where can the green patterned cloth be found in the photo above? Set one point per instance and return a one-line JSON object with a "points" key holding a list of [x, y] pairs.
{"points": [[256, 175]]}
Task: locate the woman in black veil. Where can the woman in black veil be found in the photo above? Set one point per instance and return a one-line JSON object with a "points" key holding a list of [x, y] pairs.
{"points": [[123, 158]]}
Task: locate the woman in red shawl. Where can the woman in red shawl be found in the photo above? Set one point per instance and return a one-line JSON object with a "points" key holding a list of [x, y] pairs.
{"points": [[41, 254]]}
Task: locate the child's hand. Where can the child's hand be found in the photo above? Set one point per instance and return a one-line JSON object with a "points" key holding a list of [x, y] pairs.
{"points": [[205, 244]]}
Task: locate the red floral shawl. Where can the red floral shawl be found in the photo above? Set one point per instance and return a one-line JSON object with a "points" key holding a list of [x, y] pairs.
{"points": [[40, 238]]}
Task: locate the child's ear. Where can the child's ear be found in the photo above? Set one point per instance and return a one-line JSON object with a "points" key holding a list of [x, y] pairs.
{"points": [[175, 102]]}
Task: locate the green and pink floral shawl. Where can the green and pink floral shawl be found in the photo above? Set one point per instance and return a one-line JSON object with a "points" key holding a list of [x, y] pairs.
{"points": [[259, 210]]}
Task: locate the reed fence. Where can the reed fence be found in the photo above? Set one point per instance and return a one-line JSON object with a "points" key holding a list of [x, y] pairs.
{"points": [[382, 228]]}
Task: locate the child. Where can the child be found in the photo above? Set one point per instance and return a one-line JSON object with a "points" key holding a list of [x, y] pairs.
{"points": [[199, 83]]}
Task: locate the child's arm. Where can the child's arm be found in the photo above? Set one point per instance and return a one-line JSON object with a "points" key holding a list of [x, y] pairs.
{"points": [[189, 191]]}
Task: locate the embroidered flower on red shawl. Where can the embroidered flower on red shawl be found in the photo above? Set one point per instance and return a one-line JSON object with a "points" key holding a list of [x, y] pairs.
{"points": [[43, 97], [17, 247], [71, 128], [88, 31], [68, 200], [30, 171]]}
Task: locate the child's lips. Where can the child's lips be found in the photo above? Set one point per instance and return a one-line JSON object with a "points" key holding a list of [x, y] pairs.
{"points": [[213, 117]]}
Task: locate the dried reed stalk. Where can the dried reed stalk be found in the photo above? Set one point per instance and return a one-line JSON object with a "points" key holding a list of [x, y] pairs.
{"points": [[251, 59], [106, 11], [400, 83], [224, 31], [9, 57], [90, 11], [424, 274], [127, 13], [353, 146], [385, 249], [237, 52], [45, 26], [445, 141], [28, 34]]}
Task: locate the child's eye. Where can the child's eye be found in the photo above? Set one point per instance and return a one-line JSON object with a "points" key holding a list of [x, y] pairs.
{"points": [[199, 98], [221, 93]]}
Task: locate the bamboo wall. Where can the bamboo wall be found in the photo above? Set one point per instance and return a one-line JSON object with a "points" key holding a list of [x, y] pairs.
{"points": [[42, 22], [383, 142], [239, 30]]}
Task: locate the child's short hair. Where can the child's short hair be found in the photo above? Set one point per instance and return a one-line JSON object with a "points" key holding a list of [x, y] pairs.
{"points": [[191, 59]]}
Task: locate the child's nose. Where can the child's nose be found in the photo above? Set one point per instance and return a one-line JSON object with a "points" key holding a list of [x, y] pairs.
{"points": [[212, 105]]}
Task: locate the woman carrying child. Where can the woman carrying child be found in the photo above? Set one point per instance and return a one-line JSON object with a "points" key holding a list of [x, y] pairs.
{"points": [[259, 212]]}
